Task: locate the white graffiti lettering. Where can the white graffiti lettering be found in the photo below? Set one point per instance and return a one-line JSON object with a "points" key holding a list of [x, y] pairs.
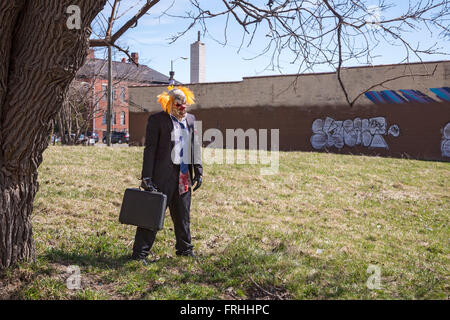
{"points": [[445, 143], [366, 132]]}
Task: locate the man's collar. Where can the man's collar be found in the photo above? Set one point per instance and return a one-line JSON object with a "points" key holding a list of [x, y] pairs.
{"points": [[176, 119]]}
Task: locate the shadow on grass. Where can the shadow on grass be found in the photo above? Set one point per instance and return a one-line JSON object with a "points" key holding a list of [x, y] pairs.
{"points": [[241, 270], [86, 259]]}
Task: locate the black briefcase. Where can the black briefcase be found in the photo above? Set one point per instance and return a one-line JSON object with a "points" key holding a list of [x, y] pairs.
{"points": [[144, 209]]}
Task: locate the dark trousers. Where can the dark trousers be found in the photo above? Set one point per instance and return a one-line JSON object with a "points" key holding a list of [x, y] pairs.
{"points": [[179, 206]]}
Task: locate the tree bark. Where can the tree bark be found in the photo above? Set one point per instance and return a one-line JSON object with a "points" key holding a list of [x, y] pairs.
{"points": [[16, 203], [39, 56]]}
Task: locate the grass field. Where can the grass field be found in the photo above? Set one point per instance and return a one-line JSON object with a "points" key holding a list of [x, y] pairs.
{"points": [[309, 232]]}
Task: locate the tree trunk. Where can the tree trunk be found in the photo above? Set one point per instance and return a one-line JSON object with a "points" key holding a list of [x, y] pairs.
{"points": [[65, 124], [16, 203], [39, 56]]}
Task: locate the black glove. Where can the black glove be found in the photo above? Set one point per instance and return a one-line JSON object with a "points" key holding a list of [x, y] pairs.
{"points": [[147, 185], [198, 179]]}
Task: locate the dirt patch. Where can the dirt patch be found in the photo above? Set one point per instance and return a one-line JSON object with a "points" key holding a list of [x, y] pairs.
{"points": [[12, 281], [267, 292]]}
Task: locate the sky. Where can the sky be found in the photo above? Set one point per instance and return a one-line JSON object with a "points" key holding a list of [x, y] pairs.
{"points": [[151, 39]]}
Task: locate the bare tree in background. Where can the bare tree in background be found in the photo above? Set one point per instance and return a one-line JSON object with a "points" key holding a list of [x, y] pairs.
{"points": [[109, 39], [77, 112], [327, 32], [81, 108]]}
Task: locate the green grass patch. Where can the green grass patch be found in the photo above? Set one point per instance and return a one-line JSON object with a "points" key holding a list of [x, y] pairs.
{"points": [[309, 232]]}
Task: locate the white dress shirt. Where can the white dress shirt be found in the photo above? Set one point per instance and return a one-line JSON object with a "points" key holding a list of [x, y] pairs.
{"points": [[177, 132]]}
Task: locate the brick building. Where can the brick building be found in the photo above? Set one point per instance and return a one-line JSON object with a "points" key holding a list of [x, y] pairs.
{"points": [[125, 74]]}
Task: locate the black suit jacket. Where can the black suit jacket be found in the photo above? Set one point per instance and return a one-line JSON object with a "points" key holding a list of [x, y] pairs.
{"points": [[158, 163]]}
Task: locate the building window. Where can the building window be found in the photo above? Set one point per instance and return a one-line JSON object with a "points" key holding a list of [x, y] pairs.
{"points": [[104, 118], [114, 93], [122, 94], [104, 92], [114, 118], [122, 118]]}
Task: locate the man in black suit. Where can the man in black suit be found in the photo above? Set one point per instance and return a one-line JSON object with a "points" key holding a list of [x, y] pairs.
{"points": [[172, 165]]}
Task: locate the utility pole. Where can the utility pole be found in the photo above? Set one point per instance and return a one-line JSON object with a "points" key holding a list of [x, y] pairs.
{"points": [[110, 100]]}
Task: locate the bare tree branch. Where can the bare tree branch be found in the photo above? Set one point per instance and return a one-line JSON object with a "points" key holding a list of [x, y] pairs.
{"points": [[109, 38], [133, 21], [382, 83], [333, 33]]}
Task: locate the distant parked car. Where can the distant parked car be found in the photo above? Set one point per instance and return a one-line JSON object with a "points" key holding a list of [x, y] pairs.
{"points": [[81, 138], [117, 137], [93, 135], [70, 137], [56, 139]]}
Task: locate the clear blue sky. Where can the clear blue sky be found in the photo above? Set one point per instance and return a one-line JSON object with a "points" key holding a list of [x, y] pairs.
{"points": [[224, 63]]}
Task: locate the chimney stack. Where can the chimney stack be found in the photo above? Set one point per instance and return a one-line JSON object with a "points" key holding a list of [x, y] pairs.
{"points": [[124, 60], [135, 57], [198, 73]]}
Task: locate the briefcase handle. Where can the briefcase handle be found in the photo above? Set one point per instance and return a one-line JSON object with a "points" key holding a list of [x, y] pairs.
{"points": [[156, 189]]}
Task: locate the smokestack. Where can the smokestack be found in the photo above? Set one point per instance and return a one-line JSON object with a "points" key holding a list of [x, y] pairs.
{"points": [[198, 72]]}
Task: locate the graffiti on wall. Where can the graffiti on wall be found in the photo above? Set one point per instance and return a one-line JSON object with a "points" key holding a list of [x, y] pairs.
{"points": [[404, 96], [366, 132], [445, 143]]}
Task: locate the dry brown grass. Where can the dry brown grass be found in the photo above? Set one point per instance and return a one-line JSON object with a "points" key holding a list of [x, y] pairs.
{"points": [[308, 232]]}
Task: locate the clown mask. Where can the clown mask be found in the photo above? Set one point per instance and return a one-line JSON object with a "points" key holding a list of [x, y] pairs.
{"points": [[176, 100], [179, 103]]}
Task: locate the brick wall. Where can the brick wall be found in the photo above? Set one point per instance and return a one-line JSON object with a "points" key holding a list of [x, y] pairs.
{"points": [[404, 130], [138, 123], [303, 90], [293, 103]]}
